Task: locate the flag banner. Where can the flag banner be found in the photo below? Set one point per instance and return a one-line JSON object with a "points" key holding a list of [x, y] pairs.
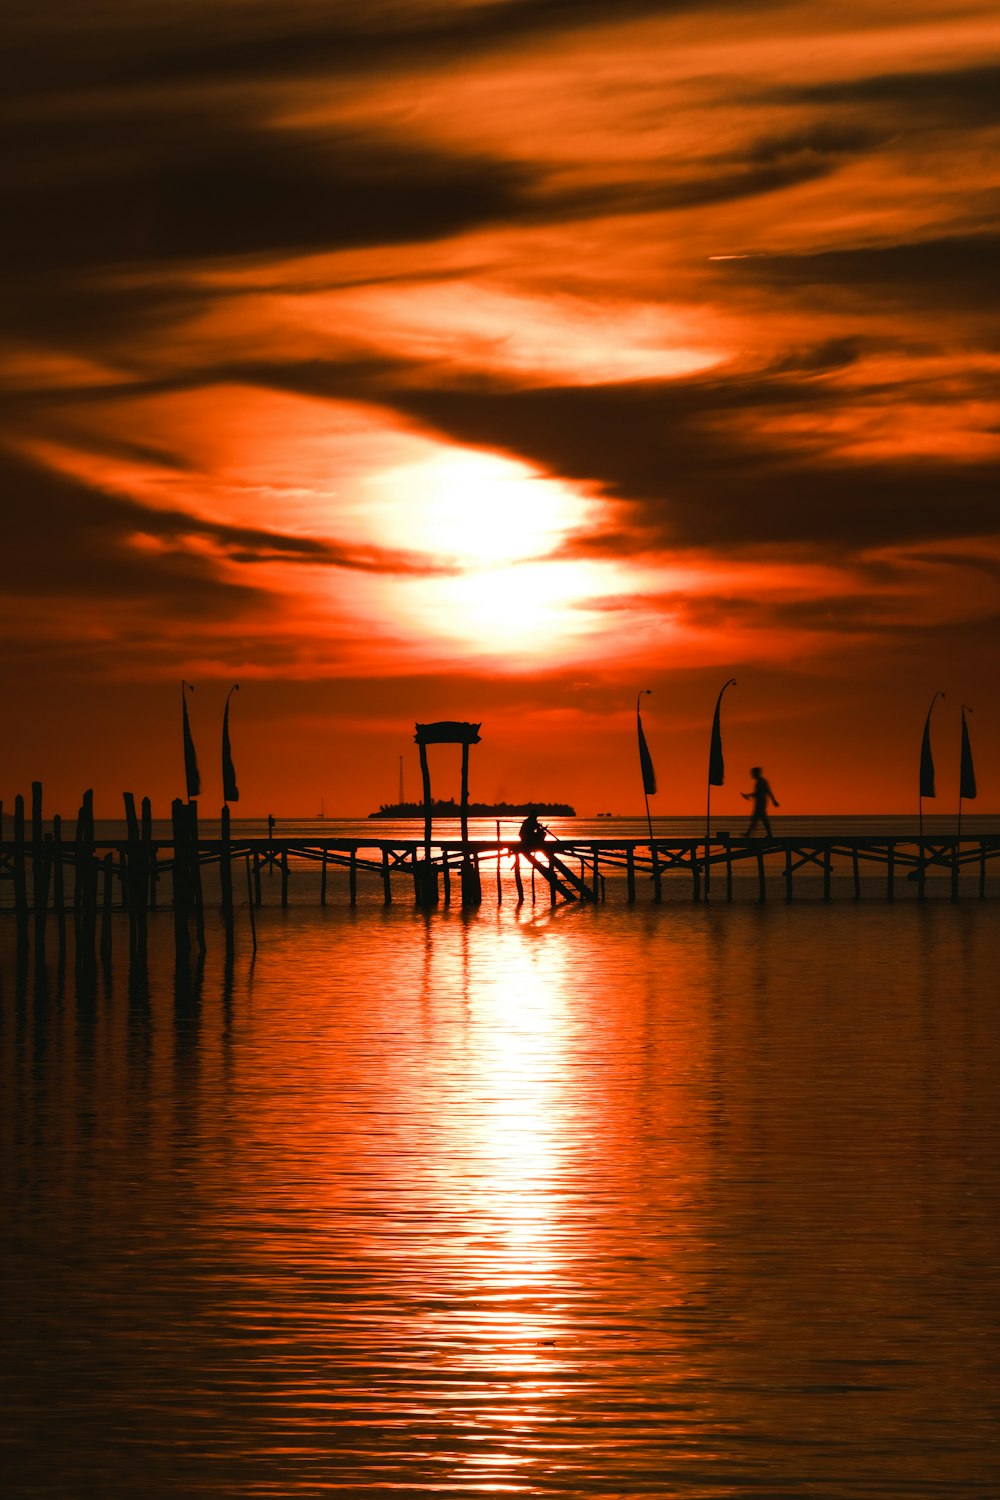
{"points": [[230, 791], [716, 764], [645, 760], [967, 779], [192, 776], [926, 762]]}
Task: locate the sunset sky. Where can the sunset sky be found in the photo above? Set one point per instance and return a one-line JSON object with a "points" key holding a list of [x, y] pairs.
{"points": [[492, 360]]}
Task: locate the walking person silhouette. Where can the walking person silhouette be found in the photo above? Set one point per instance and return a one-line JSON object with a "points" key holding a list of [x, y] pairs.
{"points": [[759, 797]]}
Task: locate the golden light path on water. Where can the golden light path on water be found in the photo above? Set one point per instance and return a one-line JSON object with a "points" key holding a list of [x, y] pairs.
{"points": [[604, 1202]]}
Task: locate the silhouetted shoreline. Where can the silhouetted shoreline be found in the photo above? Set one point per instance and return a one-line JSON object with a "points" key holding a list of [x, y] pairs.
{"points": [[452, 809]]}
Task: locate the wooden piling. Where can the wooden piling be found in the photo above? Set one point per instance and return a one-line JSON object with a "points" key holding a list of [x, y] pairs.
{"points": [[284, 877], [352, 878], [695, 874], [148, 852], [954, 871], [39, 898], [657, 886], [20, 874], [322, 880], [499, 886], [106, 899], [181, 897], [890, 870], [789, 872], [386, 883], [761, 885], [197, 895], [630, 874], [472, 891], [85, 881], [226, 879], [58, 880], [518, 882], [597, 877], [250, 904], [136, 880], [857, 873], [827, 872], [921, 872], [982, 870]]}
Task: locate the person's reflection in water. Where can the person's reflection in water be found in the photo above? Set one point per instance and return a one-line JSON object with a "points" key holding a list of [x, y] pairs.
{"points": [[760, 796]]}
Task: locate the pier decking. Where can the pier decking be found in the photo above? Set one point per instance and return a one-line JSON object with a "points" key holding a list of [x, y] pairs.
{"points": [[87, 877]]}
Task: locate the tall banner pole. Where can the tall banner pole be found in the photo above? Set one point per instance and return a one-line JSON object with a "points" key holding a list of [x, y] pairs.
{"points": [[967, 771], [716, 775], [926, 766], [648, 785]]}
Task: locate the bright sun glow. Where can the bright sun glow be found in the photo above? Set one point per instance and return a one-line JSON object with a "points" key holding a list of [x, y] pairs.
{"points": [[472, 509]]}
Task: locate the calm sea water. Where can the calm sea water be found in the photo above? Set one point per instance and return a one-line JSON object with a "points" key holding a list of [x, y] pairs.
{"points": [[680, 1201]]}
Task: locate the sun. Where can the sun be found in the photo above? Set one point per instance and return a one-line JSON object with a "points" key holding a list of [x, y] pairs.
{"points": [[472, 509]]}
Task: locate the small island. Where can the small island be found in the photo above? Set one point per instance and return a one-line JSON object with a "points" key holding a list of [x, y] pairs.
{"points": [[453, 809]]}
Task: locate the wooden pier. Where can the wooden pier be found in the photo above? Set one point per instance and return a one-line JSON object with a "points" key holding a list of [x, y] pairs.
{"points": [[85, 879]]}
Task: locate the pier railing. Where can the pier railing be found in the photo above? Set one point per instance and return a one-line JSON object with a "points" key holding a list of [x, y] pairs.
{"points": [[82, 880]]}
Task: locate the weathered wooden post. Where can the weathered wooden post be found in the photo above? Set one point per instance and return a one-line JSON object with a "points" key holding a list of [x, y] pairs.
{"points": [[856, 871], [20, 874], [761, 886], [827, 872], [284, 877], [85, 880], [352, 878], [194, 856], [982, 869], [137, 880], [386, 883], [322, 878], [149, 853], [446, 876], [226, 879], [788, 875], [597, 877], [499, 886], [58, 880], [250, 904], [109, 877], [890, 870], [472, 890], [39, 893], [464, 808], [181, 894], [518, 882], [695, 873], [630, 874], [921, 872], [954, 871]]}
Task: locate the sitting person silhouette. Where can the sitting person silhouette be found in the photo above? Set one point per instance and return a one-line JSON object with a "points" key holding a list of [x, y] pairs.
{"points": [[759, 797], [531, 832]]}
